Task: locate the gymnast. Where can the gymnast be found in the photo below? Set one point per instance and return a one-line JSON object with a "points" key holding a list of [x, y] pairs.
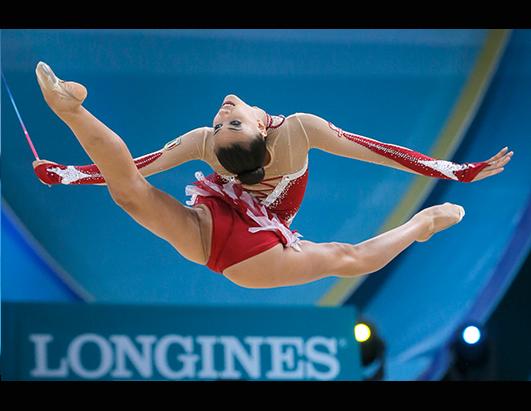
{"points": [[237, 220]]}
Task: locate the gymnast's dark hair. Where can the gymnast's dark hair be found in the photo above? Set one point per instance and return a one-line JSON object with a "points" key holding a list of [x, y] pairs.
{"points": [[245, 160]]}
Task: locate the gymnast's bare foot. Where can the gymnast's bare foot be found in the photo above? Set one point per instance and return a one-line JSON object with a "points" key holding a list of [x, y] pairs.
{"points": [[63, 97], [438, 218]]}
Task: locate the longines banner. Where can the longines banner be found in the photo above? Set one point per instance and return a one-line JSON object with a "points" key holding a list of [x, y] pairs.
{"points": [[121, 342]]}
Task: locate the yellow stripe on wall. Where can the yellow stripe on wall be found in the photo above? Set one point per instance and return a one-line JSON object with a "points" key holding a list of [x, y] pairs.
{"points": [[444, 147]]}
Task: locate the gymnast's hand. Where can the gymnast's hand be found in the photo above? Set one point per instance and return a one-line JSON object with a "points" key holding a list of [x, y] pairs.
{"points": [[39, 162], [41, 170], [496, 164]]}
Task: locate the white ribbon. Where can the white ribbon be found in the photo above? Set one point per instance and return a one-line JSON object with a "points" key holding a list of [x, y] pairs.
{"points": [[267, 224], [229, 190], [194, 191], [213, 186]]}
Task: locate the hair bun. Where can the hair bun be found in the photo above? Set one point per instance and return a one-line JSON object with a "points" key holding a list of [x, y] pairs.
{"points": [[252, 177]]}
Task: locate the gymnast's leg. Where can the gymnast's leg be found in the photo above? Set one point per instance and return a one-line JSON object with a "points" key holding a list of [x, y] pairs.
{"points": [[153, 209], [279, 266]]}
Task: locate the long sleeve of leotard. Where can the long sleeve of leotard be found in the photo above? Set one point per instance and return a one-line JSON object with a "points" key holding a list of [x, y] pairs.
{"points": [[187, 147], [325, 136]]}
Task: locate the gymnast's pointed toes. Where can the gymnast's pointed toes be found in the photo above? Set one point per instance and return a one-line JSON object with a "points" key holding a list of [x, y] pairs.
{"points": [[47, 79], [60, 95], [41, 65], [45, 75]]}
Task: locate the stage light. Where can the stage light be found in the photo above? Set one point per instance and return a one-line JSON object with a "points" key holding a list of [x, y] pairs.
{"points": [[362, 332], [472, 354], [470, 342], [471, 334], [372, 349]]}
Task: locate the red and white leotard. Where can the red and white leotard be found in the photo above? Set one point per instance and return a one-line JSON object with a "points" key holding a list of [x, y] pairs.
{"points": [[282, 188], [272, 204]]}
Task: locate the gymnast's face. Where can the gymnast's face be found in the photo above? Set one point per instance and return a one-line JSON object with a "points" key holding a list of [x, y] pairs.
{"points": [[236, 122]]}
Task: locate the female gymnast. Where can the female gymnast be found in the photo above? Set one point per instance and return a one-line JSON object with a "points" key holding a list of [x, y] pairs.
{"points": [[239, 219]]}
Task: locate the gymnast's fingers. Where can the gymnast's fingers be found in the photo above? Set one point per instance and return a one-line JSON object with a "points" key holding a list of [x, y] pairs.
{"points": [[498, 155]]}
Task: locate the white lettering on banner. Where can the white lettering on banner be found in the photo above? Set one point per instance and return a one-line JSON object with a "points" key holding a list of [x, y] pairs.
{"points": [[41, 369], [189, 359], [323, 358], [285, 353], [139, 357], [250, 361], [208, 370], [74, 356]]}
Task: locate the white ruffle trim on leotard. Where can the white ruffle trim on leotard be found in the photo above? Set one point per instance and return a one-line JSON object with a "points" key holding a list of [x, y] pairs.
{"points": [[248, 204]]}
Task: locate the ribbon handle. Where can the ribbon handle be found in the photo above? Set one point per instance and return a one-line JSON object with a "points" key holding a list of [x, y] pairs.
{"points": [[20, 119]]}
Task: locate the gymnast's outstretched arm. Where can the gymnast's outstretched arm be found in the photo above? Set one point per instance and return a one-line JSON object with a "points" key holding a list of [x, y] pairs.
{"points": [[324, 135], [187, 147]]}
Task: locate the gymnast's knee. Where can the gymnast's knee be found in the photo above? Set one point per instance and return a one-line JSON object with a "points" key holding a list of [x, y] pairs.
{"points": [[130, 195]]}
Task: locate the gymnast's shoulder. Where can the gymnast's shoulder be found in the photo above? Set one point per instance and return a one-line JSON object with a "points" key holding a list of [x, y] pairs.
{"points": [[304, 118]]}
